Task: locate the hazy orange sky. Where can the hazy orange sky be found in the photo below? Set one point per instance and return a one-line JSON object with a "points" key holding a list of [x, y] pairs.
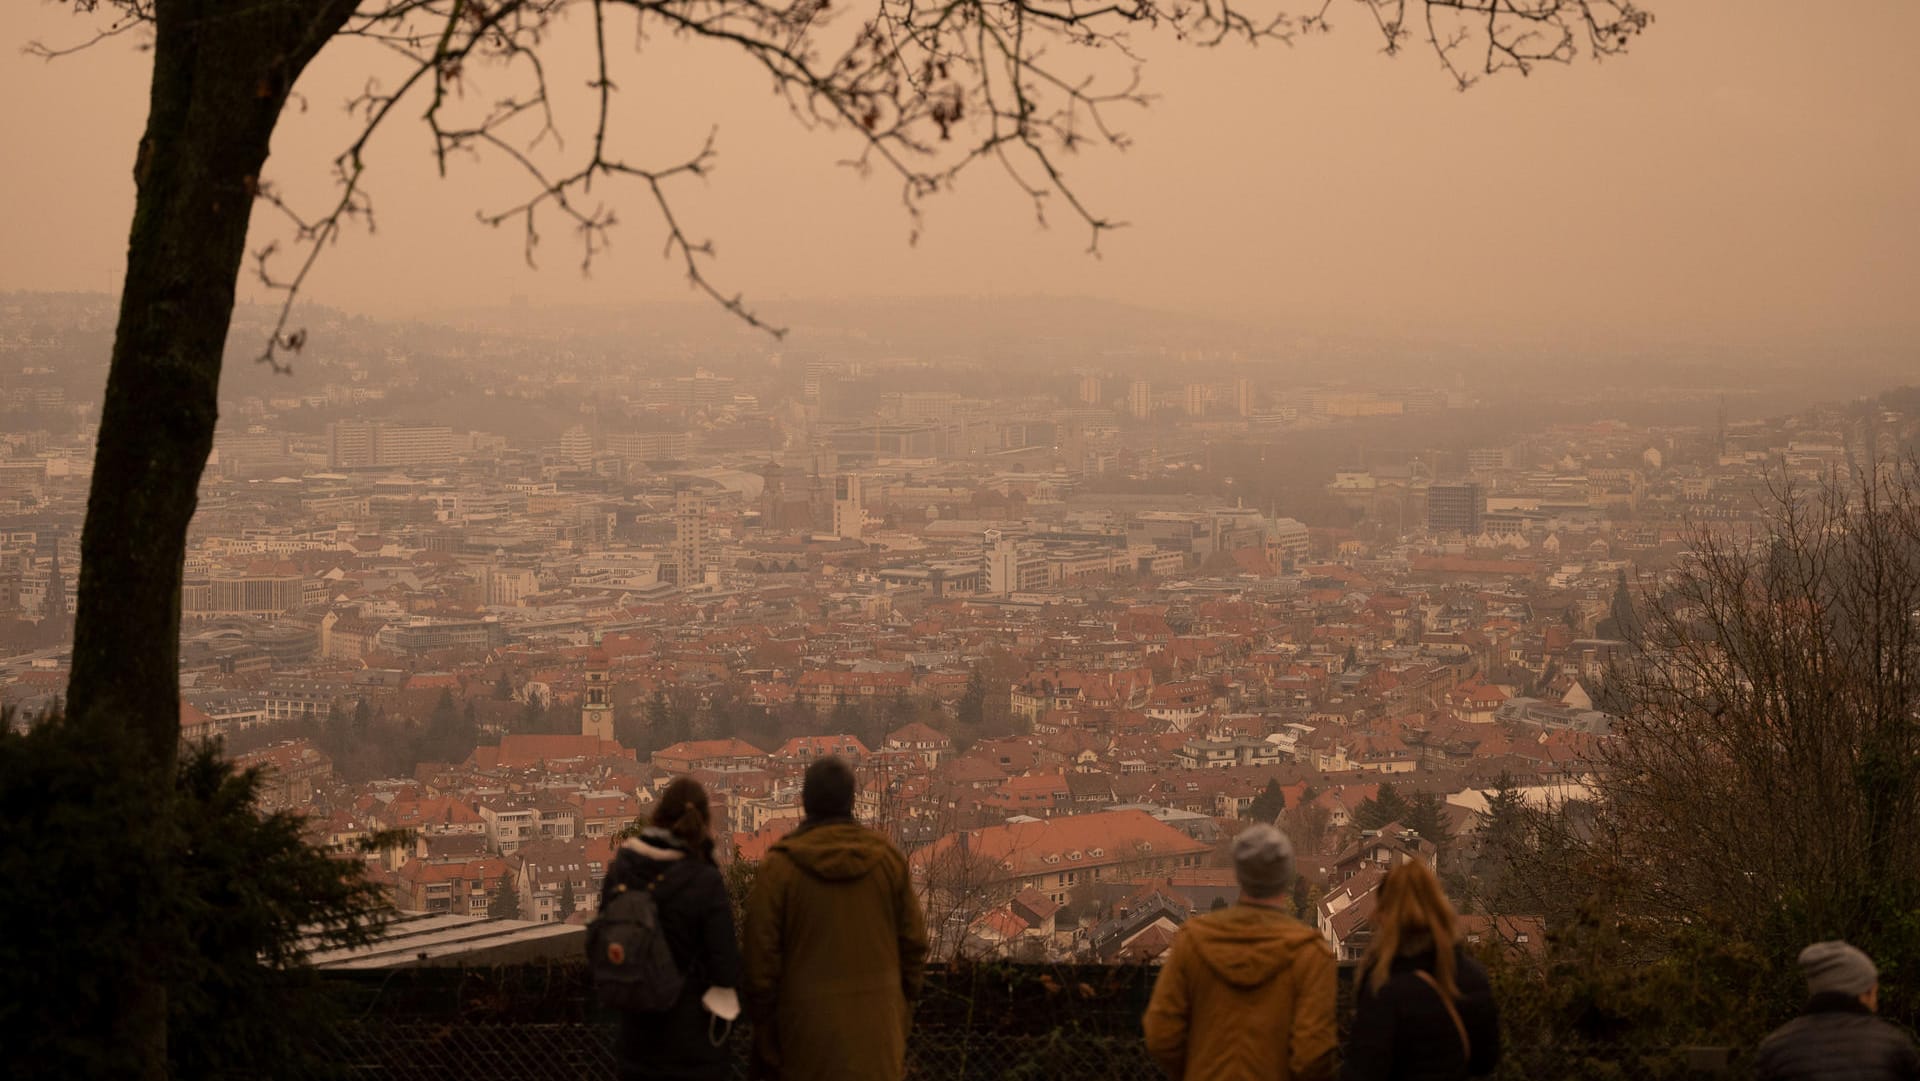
{"points": [[1751, 170]]}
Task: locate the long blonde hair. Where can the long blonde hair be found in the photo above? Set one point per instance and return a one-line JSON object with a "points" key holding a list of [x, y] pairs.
{"points": [[1411, 903]]}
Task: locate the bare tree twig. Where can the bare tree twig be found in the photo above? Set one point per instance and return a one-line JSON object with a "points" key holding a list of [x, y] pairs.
{"points": [[926, 88]]}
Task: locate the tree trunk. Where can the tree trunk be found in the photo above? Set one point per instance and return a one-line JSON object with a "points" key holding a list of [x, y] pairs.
{"points": [[221, 74]]}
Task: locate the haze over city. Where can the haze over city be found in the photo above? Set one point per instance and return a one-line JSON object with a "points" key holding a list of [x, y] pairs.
{"points": [[1749, 174], [1410, 572]]}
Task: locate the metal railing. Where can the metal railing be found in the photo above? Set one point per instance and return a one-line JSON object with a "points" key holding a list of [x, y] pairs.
{"points": [[988, 1023]]}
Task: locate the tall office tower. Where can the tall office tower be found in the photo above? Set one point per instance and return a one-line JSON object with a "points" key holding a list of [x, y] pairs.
{"points": [[350, 443], [816, 374], [1454, 508], [576, 445], [690, 536], [399, 444], [1488, 459], [596, 712], [849, 510], [1002, 557], [1140, 399], [1196, 399], [353, 443], [1089, 389], [1243, 397]]}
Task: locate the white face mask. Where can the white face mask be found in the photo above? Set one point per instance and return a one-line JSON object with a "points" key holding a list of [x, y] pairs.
{"points": [[724, 1005], [721, 1002]]}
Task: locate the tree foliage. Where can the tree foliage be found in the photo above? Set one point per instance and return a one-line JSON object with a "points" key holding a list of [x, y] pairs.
{"points": [[1764, 782], [1426, 814], [1387, 806], [973, 701], [225, 902], [668, 721], [1495, 851], [1268, 805], [1308, 824], [451, 732], [1303, 899], [505, 902]]}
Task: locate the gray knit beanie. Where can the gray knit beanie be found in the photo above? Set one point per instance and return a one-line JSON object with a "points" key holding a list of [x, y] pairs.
{"points": [[1263, 861], [1836, 966]]}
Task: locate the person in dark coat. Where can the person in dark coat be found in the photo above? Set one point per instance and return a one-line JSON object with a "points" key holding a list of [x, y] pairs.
{"points": [[675, 854], [1838, 1038], [1423, 1009]]}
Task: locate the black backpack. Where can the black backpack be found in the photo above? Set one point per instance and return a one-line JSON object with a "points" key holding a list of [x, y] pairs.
{"points": [[633, 971]]}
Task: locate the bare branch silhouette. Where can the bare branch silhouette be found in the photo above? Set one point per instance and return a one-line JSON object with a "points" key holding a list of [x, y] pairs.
{"points": [[928, 91]]}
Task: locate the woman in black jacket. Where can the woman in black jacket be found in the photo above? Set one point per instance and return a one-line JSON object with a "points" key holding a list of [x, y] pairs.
{"points": [[675, 854], [1423, 1010]]}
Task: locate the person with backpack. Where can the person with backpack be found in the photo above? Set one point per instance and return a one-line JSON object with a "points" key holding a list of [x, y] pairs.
{"points": [[676, 1003], [836, 947], [1423, 1009]]}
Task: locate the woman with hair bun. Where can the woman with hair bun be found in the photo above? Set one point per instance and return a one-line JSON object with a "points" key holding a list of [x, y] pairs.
{"points": [[1423, 1010], [673, 856]]}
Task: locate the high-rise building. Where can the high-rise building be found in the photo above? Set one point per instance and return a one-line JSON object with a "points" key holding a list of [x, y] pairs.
{"points": [[634, 448], [690, 537], [1089, 389], [414, 445], [810, 391], [506, 585], [849, 509], [702, 389], [1003, 563], [1243, 397], [1140, 399], [576, 445], [912, 405], [1196, 399], [54, 613], [350, 443], [361, 443], [267, 592], [1454, 508], [1487, 459]]}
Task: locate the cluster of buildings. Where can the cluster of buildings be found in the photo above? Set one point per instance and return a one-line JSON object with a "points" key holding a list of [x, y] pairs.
{"points": [[1064, 678]]}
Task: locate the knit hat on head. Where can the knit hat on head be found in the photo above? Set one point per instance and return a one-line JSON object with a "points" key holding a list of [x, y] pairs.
{"points": [[1837, 967], [1263, 861]]}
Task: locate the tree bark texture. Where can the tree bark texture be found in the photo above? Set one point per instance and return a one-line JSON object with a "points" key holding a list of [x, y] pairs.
{"points": [[221, 74]]}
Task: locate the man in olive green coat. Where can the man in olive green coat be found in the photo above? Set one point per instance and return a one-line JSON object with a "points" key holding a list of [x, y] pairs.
{"points": [[835, 947]]}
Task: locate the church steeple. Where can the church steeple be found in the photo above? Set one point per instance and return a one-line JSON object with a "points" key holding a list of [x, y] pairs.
{"points": [[596, 707], [53, 605]]}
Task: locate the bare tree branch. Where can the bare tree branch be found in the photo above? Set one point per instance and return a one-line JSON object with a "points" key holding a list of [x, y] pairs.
{"points": [[926, 88]]}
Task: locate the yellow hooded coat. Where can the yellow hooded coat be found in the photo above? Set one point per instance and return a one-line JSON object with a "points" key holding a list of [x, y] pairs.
{"points": [[1246, 994]]}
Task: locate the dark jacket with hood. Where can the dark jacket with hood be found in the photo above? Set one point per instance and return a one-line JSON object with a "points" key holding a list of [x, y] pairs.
{"points": [[1837, 1039], [695, 915], [835, 954], [1246, 993], [1403, 1032]]}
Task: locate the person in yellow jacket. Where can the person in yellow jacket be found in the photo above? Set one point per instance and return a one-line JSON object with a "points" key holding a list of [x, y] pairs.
{"points": [[1247, 992], [835, 945]]}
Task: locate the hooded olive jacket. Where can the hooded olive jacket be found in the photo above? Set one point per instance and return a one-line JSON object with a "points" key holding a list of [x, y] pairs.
{"points": [[835, 955], [1246, 994]]}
